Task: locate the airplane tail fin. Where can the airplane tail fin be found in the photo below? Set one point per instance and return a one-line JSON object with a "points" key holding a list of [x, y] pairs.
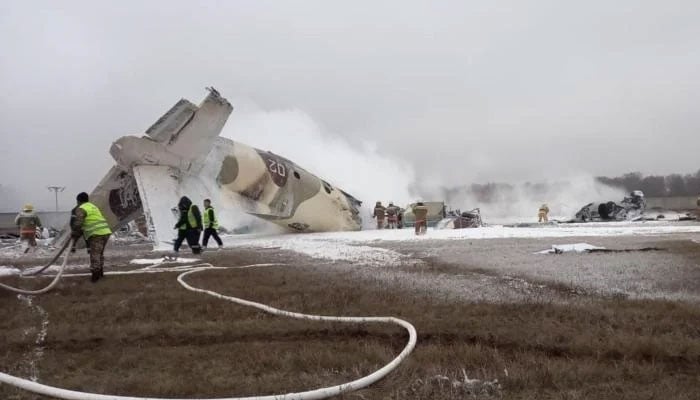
{"points": [[189, 131]]}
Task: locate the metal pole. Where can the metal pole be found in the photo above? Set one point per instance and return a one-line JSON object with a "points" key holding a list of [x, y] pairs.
{"points": [[55, 190]]}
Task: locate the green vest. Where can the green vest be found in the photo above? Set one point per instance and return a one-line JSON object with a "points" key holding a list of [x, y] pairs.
{"points": [[95, 223], [190, 219], [205, 219]]}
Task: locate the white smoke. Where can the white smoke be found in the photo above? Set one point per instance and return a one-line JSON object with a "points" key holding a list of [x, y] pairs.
{"points": [[372, 175], [520, 202], [364, 172]]}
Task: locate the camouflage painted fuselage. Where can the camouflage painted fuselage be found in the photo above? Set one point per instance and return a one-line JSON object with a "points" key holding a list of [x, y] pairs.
{"points": [[285, 193]]}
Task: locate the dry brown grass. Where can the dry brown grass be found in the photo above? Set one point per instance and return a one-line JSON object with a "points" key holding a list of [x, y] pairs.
{"points": [[145, 335]]}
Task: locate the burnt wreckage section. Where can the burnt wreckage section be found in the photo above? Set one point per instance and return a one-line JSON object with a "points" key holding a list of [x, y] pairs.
{"points": [[630, 208]]}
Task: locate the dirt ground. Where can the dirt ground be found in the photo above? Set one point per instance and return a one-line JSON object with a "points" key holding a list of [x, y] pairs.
{"points": [[594, 326]]}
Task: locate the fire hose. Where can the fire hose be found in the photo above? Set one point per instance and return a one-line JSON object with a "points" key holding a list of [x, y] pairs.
{"points": [[53, 260], [320, 393], [55, 279]]}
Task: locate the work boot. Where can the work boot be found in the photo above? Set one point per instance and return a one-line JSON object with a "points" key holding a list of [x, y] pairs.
{"points": [[95, 276]]}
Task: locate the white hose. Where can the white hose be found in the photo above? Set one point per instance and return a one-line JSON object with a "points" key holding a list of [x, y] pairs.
{"points": [[45, 289], [63, 248], [320, 393]]}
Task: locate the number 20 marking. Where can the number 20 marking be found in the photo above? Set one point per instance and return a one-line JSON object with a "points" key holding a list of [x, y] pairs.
{"points": [[277, 168]]}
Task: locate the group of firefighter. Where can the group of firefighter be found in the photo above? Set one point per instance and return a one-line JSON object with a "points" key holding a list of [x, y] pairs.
{"points": [[88, 222], [393, 215]]}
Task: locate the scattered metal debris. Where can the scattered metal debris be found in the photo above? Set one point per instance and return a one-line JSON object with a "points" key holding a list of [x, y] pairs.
{"points": [[587, 248], [461, 219], [630, 208]]}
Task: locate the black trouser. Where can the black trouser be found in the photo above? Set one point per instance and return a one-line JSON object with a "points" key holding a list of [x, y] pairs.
{"points": [[192, 236], [211, 232]]}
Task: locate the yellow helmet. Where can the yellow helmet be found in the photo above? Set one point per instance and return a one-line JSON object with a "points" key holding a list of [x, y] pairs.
{"points": [[28, 207]]}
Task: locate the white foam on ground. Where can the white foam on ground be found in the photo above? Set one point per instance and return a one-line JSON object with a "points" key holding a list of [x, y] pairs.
{"points": [[319, 246], [353, 246], [150, 261], [570, 248], [56, 268], [12, 271], [37, 353], [16, 249], [8, 271]]}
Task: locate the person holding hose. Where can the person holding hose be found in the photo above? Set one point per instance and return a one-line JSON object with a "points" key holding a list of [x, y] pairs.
{"points": [[92, 225]]}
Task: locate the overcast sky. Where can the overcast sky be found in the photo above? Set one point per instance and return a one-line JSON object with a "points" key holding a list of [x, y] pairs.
{"points": [[468, 91]]}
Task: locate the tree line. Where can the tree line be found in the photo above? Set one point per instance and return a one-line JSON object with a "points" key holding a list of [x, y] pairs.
{"points": [[656, 185]]}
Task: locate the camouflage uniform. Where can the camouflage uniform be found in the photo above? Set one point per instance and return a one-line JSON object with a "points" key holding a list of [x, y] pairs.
{"points": [[379, 212], [96, 243], [421, 213], [28, 222]]}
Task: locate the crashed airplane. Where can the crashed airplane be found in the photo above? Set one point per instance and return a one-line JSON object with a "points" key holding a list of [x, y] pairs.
{"points": [[630, 208], [182, 154]]}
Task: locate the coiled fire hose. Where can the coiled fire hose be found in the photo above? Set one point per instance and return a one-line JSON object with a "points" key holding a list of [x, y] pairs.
{"points": [[320, 393]]}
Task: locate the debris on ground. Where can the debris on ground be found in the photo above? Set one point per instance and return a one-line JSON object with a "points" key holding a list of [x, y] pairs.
{"points": [[587, 248], [165, 259], [570, 248]]}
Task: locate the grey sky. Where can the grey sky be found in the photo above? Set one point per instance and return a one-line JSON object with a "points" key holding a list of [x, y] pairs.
{"points": [[465, 90]]}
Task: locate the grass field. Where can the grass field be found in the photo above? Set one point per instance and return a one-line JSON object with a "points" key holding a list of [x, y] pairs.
{"points": [[144, 335]]}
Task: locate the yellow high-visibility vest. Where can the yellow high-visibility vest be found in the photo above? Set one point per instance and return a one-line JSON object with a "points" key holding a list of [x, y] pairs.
{"points": [[95, 223], [205, 219], [190, 218]]}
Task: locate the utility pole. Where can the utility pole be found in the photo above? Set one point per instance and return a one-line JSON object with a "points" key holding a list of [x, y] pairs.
{"points": [[55, 190]]}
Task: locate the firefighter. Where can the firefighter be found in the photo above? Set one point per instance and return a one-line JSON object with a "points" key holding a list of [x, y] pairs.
{"points": [[542, 213], [189, 226], [210, 225], [420, 211], [379, 212], [28, 222], [392, 215], [91, 225]]}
